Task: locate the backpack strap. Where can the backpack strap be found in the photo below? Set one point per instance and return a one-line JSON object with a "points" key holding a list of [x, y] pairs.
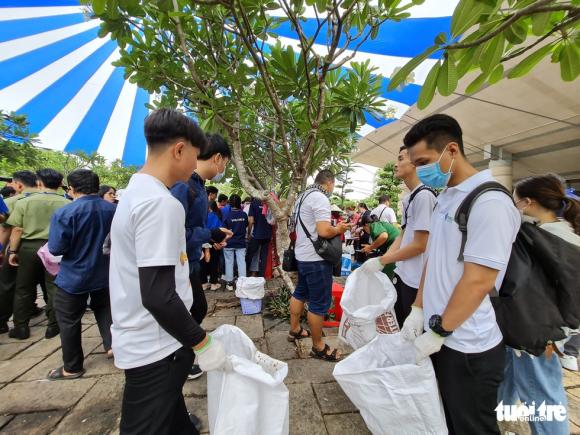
{"points": [[412, 197], [299, 207], [462, 213]]}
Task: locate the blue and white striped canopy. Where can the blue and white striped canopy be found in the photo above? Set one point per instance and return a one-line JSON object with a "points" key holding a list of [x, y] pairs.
{"points": [[56, 70]]}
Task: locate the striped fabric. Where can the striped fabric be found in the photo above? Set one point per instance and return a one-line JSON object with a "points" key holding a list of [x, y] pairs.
{"points": [[57, 71]]}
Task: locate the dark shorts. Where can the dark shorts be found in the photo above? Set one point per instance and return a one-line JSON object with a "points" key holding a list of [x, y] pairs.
{"points": [[315, 285]]}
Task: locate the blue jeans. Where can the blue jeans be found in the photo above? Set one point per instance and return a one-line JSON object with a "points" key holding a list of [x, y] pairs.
{"points": [[536, 379], [240, 257], [315, 285]]}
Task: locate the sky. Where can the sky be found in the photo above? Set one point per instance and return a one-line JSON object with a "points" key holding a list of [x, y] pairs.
{"points": [[362, 181]]}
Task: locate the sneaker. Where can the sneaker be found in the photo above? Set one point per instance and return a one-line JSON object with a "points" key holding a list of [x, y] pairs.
{"points": [[230, 286], [206, 286], [195, 372], [20, 333], [569, 362], [216, 287]]}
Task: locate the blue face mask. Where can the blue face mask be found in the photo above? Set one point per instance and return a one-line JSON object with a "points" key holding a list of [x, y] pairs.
{"points": [[218, 177], [431, 175]]}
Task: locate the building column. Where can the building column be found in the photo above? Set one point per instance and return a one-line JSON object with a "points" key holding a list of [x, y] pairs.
{"points": [[501, 166]]}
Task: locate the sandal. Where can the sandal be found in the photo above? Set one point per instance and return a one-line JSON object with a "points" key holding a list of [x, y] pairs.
{"points": [[324, 355], [58, 375], [293, 336]]}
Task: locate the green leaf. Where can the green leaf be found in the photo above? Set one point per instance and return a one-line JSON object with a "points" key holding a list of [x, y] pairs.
{"points": [[447, 79], [540, 22], [496, 75], [466, 14], [441, 38], [476, 84], [468, 60], [526, 65], [492, 53], [569, 63], [428, 89], [99, 6], [402, 74], [517, 32]]}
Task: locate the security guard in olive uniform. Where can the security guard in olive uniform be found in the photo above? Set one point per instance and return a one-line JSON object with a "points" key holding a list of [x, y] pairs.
{"points": [[24, 183], [30, 222]]}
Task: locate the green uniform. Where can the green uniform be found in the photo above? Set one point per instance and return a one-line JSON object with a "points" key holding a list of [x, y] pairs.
{"points": [[33, 214], [377, 228]]}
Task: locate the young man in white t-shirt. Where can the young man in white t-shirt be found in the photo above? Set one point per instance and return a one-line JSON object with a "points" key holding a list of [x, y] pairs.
{"points": [[462, 335], [154, 335], [408, 250], [383, 211]]}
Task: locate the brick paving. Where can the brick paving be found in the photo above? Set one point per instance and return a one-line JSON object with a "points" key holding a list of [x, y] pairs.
{"points": [[32, 405]]}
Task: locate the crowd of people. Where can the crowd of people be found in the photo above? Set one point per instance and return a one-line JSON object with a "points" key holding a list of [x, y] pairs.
{"points": [[144, 263]]}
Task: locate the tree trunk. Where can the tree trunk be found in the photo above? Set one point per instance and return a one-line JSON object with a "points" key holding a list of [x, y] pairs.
{"points": [[282, 243]]}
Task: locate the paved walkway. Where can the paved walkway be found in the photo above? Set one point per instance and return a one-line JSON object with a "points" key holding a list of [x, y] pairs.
{"points": [[29, 404]]}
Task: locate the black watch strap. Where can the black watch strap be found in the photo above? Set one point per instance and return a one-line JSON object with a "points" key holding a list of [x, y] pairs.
{"points": [[436, 325]]}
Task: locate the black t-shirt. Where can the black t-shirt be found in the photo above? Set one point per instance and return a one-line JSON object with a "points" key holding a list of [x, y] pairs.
{"points": [[262, 229], [237, 222]]}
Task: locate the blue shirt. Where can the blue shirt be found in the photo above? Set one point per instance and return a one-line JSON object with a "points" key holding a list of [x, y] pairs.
{"points": [[3, 206], [77, 232], [213, 221], [193, 197], [237, 221], [262, 229], [226, 210]]}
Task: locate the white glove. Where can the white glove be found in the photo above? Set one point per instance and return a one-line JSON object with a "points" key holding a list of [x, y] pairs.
{"points": [[212, 356], [427, 344], [372, 265], [413, 325]]}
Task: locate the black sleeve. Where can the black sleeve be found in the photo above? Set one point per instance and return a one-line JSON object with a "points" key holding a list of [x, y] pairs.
{"points": [[162, 301], [217, 235]]}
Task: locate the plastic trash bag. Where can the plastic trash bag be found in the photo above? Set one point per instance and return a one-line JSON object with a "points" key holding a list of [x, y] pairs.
{"points": [[250, 287], [367, 308], [393, 394], [51, 262], [251, 399]]}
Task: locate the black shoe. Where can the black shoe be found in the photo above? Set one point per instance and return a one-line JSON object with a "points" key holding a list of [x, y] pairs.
{"points": [[20, 333], [195, 372], [195, 421], [36, 311], [4, 328], [51, 332]]}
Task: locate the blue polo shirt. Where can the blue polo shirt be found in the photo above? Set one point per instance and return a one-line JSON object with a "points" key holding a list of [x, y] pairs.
{"points": [[193, 197], [77, 232], [237, 222], [262, 229], [213, 221], [226, 212]]}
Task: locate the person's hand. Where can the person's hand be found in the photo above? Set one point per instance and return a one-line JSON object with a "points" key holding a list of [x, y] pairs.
{"points": [[367, 249], [372, 265], [229, 234], [413, 325], [211, 356], [341, 228], [207, 256], [427, 344], [13, 260]]}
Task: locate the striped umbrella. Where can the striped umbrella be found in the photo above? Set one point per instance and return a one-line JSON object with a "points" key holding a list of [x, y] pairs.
{"points": [[58, 72]]}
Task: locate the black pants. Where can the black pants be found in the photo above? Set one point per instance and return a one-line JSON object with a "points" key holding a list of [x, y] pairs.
{"points": [[153, 400], [211, 269], [405, 297], [468, 383], [199, 307], [7, 287], [257, 247], [69, 309]]}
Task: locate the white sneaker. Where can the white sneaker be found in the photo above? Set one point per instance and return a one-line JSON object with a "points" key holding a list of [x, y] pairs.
{"points": [[215, 287], [569, 362], [206, 286], [229, 287]]}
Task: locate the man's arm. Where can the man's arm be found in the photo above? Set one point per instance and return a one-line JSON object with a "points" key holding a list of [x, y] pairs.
{"points": [[60, 235], [378, 242], [325, 229], [416, 247], [4, 234], [419, 299], [15, 238], [250, 226]]}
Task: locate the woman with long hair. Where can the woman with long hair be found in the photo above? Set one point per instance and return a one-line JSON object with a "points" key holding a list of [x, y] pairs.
{"points": [[539, 379], [108, 193]]}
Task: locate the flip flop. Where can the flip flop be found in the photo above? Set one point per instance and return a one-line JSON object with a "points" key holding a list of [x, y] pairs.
{"points": [[293, 336], [58, 375]]}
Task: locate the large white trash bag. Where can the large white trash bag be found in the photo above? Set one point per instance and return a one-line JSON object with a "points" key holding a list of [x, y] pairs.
{"points": [[368, 304], [250, 287], [394, 395], [251, 399]]}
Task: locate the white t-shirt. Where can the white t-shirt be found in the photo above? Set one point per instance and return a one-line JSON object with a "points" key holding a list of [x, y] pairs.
{"points": [[493, 225], [385, 214], [315, 208], [418, 219], [148, 230]]}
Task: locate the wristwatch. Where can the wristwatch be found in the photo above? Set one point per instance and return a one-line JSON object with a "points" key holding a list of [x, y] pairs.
{"points": [[435, 323]]}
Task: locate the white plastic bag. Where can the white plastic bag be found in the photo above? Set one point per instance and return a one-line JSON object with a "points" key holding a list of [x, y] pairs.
{"points": [[250, 287], [251, 399], [367, 304], [393, 394]]}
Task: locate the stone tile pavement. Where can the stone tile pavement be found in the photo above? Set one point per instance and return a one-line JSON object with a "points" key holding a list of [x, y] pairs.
{"points": [[32, 405]]}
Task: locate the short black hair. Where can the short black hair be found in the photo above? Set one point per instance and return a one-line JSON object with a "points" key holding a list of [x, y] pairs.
{"points": [[104, 189], [163, 126], [384, 198], [28, 178], [247, 199], [236, 201], [368, 219], [84, 181], [50, 178], [7, 192], [437, 130], [212, 189], [216, 144], [324, 176], [363, 205], [222, 198], [402, 148]]}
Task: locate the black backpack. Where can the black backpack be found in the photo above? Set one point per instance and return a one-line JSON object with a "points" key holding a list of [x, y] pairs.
{"points": [[540, 292]]}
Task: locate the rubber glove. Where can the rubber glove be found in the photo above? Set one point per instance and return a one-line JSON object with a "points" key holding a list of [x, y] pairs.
{"points": [[413, 325], [372, 265], [212, 356], [427, 344]]}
